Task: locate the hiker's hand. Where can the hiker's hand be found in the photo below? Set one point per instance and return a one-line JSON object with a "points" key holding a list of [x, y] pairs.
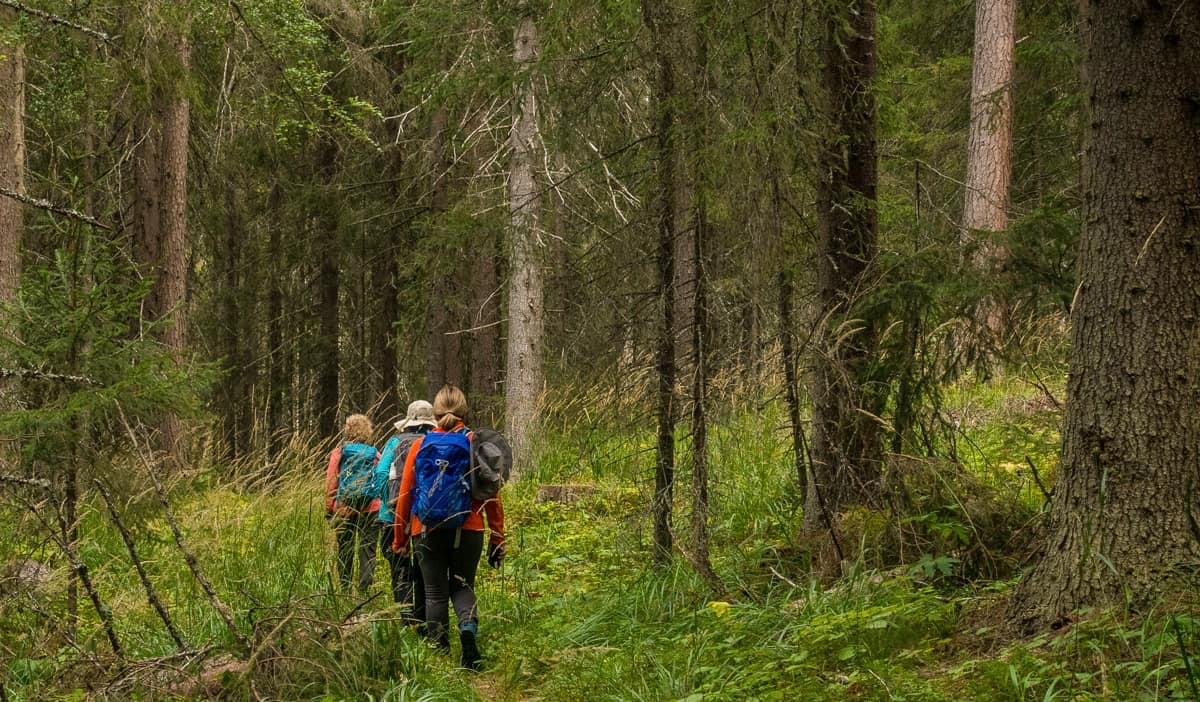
{"points": [[400, 548], [496, 554]]}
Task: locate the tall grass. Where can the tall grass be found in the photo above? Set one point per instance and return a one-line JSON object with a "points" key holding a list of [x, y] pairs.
{"points": [[577, 612]]}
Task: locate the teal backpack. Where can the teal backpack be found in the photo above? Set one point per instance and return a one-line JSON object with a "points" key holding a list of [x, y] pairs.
{"points": [[356, 476]]}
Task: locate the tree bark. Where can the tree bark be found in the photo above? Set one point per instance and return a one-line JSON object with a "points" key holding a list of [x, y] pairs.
{"points": [[1123, 519], [160, 228], [989, 151], [524, 373], [485, 321], [12, 162], [846, 451], [327, 354], [231, 328], [657, 18], [437, 318], [280, 375]]}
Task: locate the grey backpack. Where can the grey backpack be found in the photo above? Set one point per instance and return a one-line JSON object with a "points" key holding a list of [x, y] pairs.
{"points": [[491, 463]]}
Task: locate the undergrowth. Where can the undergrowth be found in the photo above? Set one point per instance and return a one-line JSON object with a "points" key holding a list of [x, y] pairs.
{"points": [[578, 613]]}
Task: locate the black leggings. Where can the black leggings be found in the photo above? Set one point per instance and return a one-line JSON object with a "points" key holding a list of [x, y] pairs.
{"points": [[408, 586], [449, 558], [360, 528]]}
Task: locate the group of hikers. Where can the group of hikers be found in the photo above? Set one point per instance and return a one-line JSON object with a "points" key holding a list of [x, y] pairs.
{"points": [[425, 501]]}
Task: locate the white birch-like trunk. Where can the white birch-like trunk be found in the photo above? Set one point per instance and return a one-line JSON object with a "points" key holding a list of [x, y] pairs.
{"points": [[523, 377]]}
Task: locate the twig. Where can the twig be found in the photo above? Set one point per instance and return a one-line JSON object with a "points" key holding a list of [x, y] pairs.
{"points": [[55, 19], [703, 569], [1047, 494], [188, 557], [50, 206], [137, 564], [18, 480], [44, 375], [85, 578], [783, 577]]}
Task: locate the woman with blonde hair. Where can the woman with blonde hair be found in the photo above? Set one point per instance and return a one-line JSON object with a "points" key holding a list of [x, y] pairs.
{"points": [[352, 501], [446, 525]]}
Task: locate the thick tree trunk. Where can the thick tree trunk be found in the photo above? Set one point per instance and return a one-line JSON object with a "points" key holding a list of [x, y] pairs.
{"points": [[161, 221], [1123, 520], [846, 451], [12, 162], [524, 375], [658, 22]]}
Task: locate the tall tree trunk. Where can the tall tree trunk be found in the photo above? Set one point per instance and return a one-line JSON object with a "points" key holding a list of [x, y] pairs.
{"points": [[485, 320], [657, 18], [523, 376], [231, 327], [161, 220], [280, 376], [12, 162], [787, 357], [1123, 519], [437, 317], [383, 343], [702, 85], [989, 151], [327, 354], [846, 451]]}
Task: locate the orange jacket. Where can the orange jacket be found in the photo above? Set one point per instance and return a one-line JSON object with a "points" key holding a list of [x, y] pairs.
{"points": [[407, 523], [331, 485]]}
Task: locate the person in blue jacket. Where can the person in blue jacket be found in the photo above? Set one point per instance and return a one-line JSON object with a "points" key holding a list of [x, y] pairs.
{"points": [[407, 586]]}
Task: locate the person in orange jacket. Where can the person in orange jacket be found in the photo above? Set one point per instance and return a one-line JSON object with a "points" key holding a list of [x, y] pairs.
{"points": [[448, 542], [352, 502]]}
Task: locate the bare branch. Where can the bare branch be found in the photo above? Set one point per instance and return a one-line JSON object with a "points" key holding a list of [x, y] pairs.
{"points": [[141, 569], [189, 558], [44, 375], [31, 482], [55, 19], [50, 206]]}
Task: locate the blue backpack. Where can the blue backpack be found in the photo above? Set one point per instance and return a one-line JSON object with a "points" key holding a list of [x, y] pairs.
{"points": [[443, 485], [357, 485]]}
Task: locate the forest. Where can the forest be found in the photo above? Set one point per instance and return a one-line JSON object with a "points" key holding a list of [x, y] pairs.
{"points": [[845, 349]]}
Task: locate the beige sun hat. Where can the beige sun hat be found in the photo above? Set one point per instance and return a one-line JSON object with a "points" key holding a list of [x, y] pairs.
{"points": [[420, 413]]}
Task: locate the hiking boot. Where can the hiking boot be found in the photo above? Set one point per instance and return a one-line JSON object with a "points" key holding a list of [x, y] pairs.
{"points": [[470, 650]]}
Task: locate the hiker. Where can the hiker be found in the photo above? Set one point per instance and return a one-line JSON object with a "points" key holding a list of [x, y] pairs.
{"points": [[446, 524], [352, 501], [407, 589]]}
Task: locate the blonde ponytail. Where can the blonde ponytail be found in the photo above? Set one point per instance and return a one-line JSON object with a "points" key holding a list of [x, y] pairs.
{"points": [[449, 407]]}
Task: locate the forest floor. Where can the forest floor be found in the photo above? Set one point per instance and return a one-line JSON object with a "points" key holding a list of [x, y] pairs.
{"points": [[578, 612]]}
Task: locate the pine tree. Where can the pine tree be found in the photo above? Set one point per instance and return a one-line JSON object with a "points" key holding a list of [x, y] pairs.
{"points": [[1123, 520]]}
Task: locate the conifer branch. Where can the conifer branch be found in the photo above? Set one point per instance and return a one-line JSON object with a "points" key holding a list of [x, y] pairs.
{"points": [[55, 19], [50, 206]]}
